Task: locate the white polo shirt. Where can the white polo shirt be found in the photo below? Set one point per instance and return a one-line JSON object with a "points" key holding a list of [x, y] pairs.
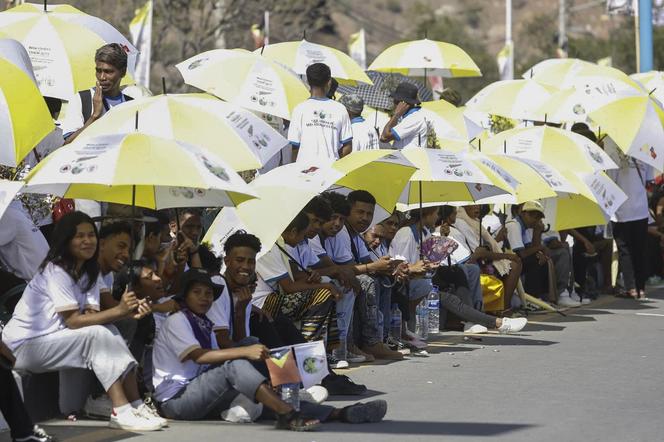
{"points": [[22, 245], [364, 135], [50, 292], [220, 313], [318, 128], [172, 344], [406, 243], [270, 269], [411, 131]]}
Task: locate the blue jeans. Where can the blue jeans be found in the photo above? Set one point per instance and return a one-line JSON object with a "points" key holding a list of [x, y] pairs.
{"points": [[472, 272]]}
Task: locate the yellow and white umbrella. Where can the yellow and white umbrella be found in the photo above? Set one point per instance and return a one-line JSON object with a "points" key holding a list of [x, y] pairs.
{"points": [[635, 123], [450, 122], [62, 42], [235, 134], [562, 149], [285, 190], [448, 177], [596, 202], [652, 83], [245, 79], [565, 73], [139, 169], [426, 57], [24, 117], [518, 99], [298, 55]]}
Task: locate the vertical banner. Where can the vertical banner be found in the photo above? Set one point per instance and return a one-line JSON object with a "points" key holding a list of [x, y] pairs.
{"points": [[504, 60], [357, 48], [141, 36]]}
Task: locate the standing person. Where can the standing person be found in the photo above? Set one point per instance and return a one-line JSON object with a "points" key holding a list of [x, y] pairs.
{"points": [[91, 104], [365, 135], [407, 127], [630, 230], [58, 324], [320, 129]]}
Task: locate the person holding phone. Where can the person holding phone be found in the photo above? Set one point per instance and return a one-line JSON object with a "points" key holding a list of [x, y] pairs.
{"points": [[407, 128]]}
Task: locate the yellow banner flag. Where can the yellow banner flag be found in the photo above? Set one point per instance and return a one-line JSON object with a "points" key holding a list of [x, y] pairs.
{"points": [[357, 48], [140, 29]]}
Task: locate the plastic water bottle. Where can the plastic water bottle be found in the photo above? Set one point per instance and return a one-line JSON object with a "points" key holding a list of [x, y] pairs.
{"points": [[290, 393], [422, 319], [433, 304], [395, 322]]}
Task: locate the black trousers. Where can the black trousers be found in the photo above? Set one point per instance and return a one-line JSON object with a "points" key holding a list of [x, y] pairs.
{"points": [[12, 406], [278, 333], [536, 277], [631, 239]]}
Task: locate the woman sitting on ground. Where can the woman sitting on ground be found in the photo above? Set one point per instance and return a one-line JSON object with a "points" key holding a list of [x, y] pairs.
{"points": [[57, 323], [194, 379]]}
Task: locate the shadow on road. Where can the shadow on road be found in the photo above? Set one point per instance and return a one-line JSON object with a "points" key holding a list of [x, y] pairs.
{"points": [[532, 327], [429, 428], [513, 340], [88, 433]]}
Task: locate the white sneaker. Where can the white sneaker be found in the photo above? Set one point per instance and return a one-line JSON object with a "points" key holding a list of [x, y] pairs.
{"points": [[575, 296], [149, 413], [474, 328], [566, 301], [242, 410], [132, 420], [316, 394], [586, 301], [512, 325], [99, 407]]}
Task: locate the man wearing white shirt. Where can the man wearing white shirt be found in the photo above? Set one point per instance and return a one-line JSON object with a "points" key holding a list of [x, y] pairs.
{"points": [[22, 245], [365, 135], [630, 228], [320, 129], [407, 128]]}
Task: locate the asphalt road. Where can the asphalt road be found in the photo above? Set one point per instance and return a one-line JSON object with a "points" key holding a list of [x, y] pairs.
{"points": [[593, 375]]}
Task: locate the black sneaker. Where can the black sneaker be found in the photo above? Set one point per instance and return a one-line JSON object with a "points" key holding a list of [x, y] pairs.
{"points": [[38, 435], [342, 385]]}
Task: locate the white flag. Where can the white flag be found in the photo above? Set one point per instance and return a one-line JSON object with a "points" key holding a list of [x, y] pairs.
{"points": [[311, 362], [141, 36], [357, 48], [504, 58]]}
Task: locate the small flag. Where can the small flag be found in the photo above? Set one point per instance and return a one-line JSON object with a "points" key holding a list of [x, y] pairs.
{"points": [[282, 367], [311, 362], [140, 29], [504, 60], [357, 48]]}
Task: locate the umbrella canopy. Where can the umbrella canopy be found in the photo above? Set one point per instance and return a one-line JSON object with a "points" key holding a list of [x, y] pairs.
{"points": [[512, 99], [448, 177], [285, 190], [564, 73], [449, 121], [652, 82], [298, 55], [245, 79], [238, 136], [426, 57], [62, 42], [136, 168], [597, 201], [24, 117], [635, 124], [562, 149], [13, 51], [378, 94]]}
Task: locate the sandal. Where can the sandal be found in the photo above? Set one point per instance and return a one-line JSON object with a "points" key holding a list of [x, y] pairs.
{"points": [[294, 421]]}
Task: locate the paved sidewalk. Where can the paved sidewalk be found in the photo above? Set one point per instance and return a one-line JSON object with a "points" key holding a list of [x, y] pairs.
{"points": [[593, 375]]}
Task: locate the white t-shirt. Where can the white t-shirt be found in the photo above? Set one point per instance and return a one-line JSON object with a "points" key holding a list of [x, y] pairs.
{"points": [[517, 234], [304, 254], [22, 245], [220, 313], [364, 135], [628, 179], [50, 292], [340, 248], [406, 243], [270, 269], [172, 344], [319, 127], [411, 131]]}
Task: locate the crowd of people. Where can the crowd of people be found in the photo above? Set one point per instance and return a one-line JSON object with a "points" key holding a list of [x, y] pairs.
{"points": [[128, 306]]}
